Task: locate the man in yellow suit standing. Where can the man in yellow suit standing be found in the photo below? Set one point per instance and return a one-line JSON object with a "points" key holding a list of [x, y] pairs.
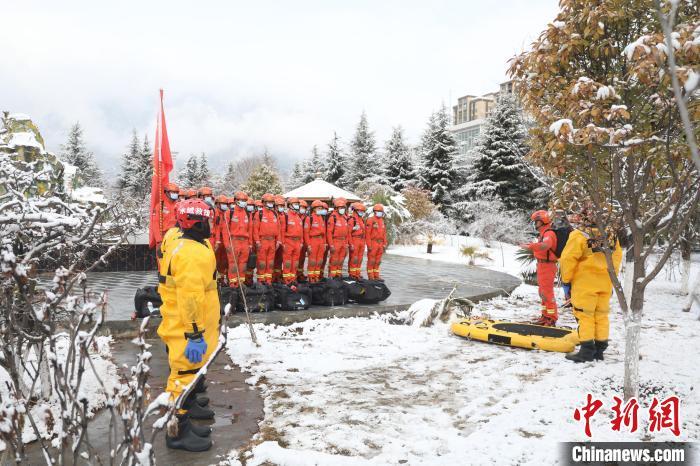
{"points": [[585, 270], [190, 312]]}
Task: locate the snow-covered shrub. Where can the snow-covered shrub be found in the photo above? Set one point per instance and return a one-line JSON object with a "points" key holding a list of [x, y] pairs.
{"points": [[425, 229], [489, 220], [48, 335], [394, 205]]}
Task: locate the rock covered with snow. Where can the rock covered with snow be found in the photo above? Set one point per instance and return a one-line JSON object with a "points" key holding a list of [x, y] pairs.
{"points": [[21, 145]]}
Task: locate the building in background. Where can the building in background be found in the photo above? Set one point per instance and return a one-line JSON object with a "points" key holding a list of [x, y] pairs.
{"points": [[470, 113]]}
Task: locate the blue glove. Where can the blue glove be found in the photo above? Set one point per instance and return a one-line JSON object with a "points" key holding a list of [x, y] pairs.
{"points": [[195, 349], [567, 290]]}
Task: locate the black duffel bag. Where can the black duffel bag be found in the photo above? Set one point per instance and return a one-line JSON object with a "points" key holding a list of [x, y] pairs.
{"points": [[228, 295], [258, 297], [366, 291], [144, 296], [292, 298], [329, 292]]}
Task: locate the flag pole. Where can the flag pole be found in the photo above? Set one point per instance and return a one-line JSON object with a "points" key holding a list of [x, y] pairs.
{"points": [[160, 165]]}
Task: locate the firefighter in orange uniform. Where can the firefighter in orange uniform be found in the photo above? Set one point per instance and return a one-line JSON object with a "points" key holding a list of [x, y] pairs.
{"points": [[338, 238], [304, 214], [292, 237], [326, 253], [376, 241], [315, 239], [241, 230], [356, 224], [266, 235], [219, 239], [543, 250], [169, 215], [251, 209], [279, 252]]}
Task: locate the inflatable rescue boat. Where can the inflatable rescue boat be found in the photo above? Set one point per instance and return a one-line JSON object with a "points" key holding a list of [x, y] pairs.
{"points": [[519, 334]]}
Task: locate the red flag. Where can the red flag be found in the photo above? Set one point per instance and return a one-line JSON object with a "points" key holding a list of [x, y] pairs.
{"points": [[162, 166]]}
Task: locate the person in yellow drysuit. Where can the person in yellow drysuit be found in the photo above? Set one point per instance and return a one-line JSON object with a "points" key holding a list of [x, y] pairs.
{"points": [[584, 267], [190, 315]]}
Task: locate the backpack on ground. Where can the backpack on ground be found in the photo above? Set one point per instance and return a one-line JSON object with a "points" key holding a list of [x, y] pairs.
{"points": [[292, 298], [366, 291], [228, 295], [259, 297], [144, 296], [329, 292]]}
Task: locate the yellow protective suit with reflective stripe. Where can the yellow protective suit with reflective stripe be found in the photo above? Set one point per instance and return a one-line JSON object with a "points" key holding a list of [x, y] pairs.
{"points": [[586, 270], [190, 303]]}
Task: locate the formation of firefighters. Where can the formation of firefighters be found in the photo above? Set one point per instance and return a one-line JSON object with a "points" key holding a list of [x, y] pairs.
{"points": [[291, 240], [207, 242]]}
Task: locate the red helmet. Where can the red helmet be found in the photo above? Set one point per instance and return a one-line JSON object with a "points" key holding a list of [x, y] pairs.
{"points": [[267, 197], [258, 203], [205, 191], [293, 200], [279, 200], [191, 211], [172, 187], [325, 206], [303, 203], [316, 204], [542, 216], [191, 193], [359, 206], [182, 193], [240, 195], [378, 208], [221, 199], [340, 202]]}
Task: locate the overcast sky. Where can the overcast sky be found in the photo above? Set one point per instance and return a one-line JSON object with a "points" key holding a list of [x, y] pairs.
{"points": [[240, 76]]}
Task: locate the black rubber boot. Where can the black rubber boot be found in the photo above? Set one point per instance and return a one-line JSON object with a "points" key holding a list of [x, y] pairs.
{"points": [[196, 411], [186, 424], [187, 440], [585, 354], [201, 386], [202, 400], [600, 347]]}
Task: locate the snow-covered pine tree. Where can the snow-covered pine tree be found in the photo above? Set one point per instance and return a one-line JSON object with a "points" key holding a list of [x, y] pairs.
{"points": [[439, 149], [313, 166], [204, 176], [500, 169], [189, 175], [75, 153], [363, 152], [127, 177], [296, 178], [335, 162], [264, 179], [142, 185], [398, 165]]}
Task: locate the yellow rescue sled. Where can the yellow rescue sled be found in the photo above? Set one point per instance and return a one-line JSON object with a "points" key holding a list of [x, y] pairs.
{"points": [[519, 334]]}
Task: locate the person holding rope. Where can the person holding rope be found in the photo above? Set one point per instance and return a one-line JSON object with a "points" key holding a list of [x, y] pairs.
{"points": [[190, 316]]}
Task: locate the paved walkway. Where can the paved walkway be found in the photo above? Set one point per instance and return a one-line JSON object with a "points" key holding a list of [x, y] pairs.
{"points": [[409, 280], [238, 408]]}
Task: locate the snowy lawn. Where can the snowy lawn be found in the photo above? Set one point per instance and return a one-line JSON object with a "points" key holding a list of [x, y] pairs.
{"points": [[374, 391], [90, 388]]}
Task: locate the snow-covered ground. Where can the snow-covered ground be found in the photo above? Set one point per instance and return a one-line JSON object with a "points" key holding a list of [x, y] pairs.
{"points": [[376, 391], [500, 256], [90, 388]]}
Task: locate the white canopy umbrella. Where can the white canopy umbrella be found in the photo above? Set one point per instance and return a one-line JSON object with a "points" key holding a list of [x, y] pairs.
{"points": [[321, 190]]}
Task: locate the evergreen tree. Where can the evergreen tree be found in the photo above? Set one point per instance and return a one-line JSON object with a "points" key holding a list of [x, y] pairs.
{"points": [[500, 169], [439, 149], [75, 153], [398, 165], [142, 180], [129, 165], [204, 175], [296, 178], [363, 152], [189, 176], [264, 179], [313, 166], [335, 162], [229, 181]]}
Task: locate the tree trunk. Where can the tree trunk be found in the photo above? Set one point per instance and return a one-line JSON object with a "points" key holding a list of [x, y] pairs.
{"points": [[685, 265], [430, 248], [693, 296], [628, 278], [633, 323]]}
